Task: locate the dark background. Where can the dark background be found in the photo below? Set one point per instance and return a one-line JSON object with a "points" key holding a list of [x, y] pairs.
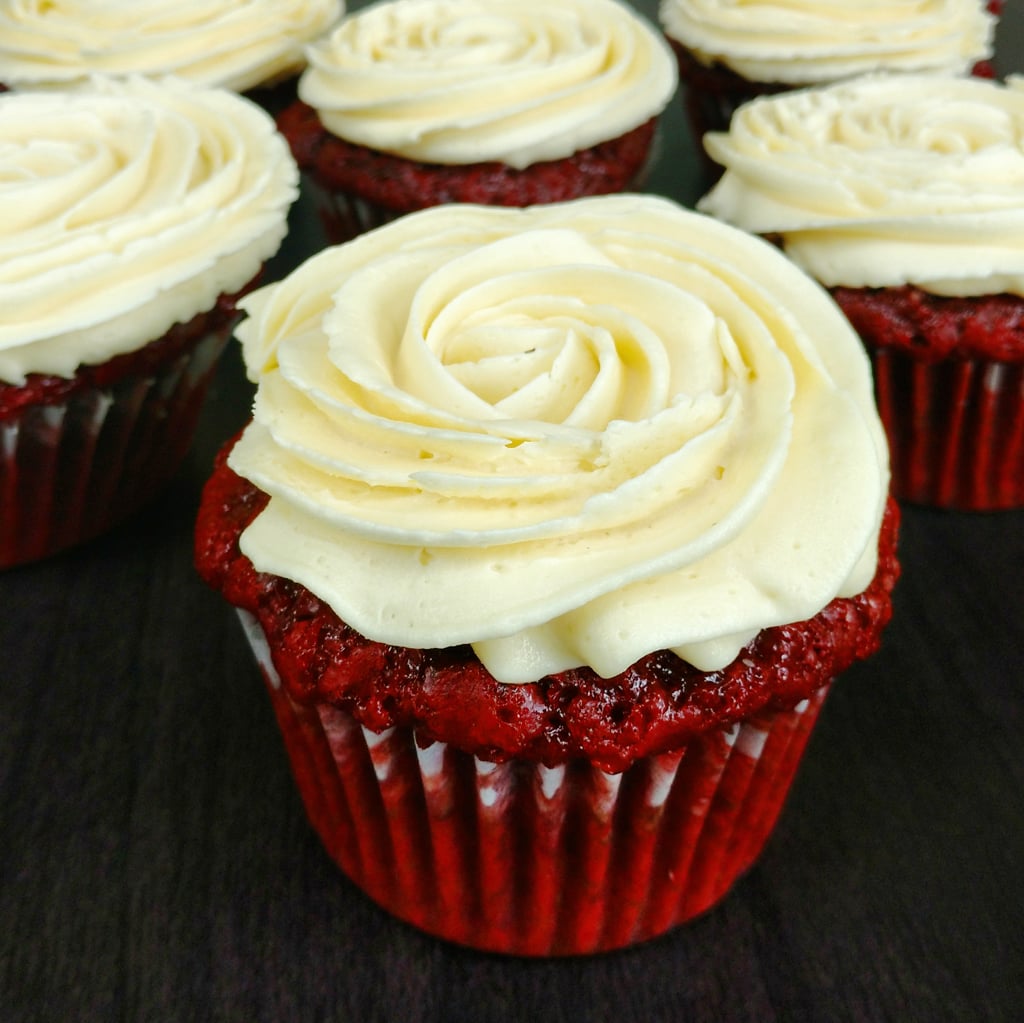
{"points": [[155, 863]]}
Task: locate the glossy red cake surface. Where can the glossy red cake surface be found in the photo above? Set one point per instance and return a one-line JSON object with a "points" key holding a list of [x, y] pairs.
{"points": [[658, 704], [398, 184], [933, 327]]}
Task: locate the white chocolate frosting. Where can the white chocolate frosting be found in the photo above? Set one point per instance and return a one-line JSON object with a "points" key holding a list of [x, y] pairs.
{"points": [[126, 207], [884, 181], [803, 42], [463, 81], [568, 435], [235, 44]]}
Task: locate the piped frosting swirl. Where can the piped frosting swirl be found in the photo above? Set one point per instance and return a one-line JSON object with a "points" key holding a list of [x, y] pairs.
{"points": [[465, 81], [126, 207], [884, 181], [804, 42], [567, 435]]}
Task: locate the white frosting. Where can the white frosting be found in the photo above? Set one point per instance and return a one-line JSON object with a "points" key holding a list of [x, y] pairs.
{"points": [[126, 207], [462, 81], [884, 181], [569, 434], [811, 41], [235, 44]]}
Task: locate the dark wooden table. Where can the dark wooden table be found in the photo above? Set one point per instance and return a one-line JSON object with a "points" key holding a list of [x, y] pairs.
{"points": [[155, 863]]}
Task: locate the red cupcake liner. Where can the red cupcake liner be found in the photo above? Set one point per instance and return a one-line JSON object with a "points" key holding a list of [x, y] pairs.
{"points": [[87, 453], [520, 858], [955, 429]]}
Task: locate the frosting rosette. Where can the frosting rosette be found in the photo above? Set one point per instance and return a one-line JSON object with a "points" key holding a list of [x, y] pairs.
{"points": [[884, 181], [808, 41], [465, 81], [567, 435], [126, 207], [235, 44]]}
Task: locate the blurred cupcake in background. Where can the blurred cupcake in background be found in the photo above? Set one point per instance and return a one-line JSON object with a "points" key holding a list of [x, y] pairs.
{"points": [[731, 52], [413, 103], [250, 46], [904, 195], [132, 213]]}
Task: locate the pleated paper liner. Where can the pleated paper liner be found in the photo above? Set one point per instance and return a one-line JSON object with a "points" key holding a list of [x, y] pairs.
{"points": [[519, 858], [74, 465], [955, 429]]}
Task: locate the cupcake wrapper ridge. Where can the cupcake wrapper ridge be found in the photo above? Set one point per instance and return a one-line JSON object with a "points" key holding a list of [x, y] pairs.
{"points": [[530, 860], [955, 429], [72, 468]]}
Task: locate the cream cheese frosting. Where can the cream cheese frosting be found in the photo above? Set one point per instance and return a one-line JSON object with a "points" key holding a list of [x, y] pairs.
{"points": [[125, 207], [802, 42], [464, 81], [234, 44], [567, 435], [884, 181]]}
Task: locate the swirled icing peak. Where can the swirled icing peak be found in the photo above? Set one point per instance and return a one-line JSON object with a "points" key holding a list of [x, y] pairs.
{"points": [[815, 41], [568, 435], [463, 81], [236, 44], [884, 181], [125, 207]]}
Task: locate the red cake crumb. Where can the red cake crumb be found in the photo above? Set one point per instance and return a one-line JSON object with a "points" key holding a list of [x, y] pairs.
{"points": [[658, 704], [402, 185], [47, 389], [934, 327]]}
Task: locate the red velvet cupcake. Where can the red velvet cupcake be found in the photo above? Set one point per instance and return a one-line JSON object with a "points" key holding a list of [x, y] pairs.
{"points": [[949, 376], [904, 197], [729, 55], [501, 102], [133, 215], [550, 534]]}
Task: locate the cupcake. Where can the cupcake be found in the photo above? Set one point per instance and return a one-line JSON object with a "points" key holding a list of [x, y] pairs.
{"points": [[241, 45], [905, 197], [131, 216], [550, 530], [414, 103], [730, 53]]}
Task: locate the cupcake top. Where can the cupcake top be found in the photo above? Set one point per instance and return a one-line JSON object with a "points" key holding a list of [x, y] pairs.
{"points": [[806, 42], [567, 435], [235, 44], [884, 181], [465, 81], [125, 207]]}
